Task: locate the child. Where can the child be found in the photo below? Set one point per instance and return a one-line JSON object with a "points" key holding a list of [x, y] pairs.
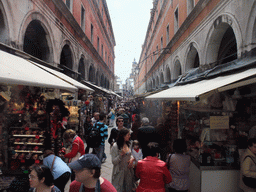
{"points": [[136, 151]]}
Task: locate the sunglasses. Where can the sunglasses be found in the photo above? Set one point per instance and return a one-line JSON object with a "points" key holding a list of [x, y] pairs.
{"points": [[120, 121]]}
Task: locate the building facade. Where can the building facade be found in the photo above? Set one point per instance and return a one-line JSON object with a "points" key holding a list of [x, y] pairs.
{"points": [[187, 34], [74, 35]]}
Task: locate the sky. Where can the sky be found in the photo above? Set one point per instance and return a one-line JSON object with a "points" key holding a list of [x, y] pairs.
{"points": [[129, 20]]}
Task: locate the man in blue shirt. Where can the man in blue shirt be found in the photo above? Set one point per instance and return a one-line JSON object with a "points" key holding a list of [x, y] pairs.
{"points": [[99, 151]]}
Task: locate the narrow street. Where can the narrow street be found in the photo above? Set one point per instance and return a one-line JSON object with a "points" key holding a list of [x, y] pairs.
{"points": [[106, 168]]}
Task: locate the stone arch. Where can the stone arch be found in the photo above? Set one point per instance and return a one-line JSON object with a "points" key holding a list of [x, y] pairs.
{"points": [[35, 36], [4, 24], [176, 70], [161, 78], [66, 60], [250, 40], [81, 69], [224, 31], [192, 59], [105, 82], [91, 74], [154, 83], [168, 74], [157, 81], [151, 84], [97, 81], [102, 80]]}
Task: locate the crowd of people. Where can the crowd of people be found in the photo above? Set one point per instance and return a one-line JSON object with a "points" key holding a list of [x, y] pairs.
{"points": [[139, 153], [144, 157]]}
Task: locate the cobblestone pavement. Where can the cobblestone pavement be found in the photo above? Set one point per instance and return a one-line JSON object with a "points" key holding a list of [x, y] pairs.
{"points": [[106, 168]]}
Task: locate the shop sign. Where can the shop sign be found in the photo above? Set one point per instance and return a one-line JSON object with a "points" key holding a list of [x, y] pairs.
{"points": [[219, 122]]}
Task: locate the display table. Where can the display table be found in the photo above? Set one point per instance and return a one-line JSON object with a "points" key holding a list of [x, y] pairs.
{"points": [[213, 178]]}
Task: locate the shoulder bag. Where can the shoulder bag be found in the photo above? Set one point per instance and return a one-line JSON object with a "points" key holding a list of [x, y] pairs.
{"points": [[249, 181], [168, 162], [53, 162]]}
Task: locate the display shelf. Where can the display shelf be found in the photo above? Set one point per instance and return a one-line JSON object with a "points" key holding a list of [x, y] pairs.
{"points": [[27, 135], [26, 151], [24, 127], [206, 110], [22, 143]]}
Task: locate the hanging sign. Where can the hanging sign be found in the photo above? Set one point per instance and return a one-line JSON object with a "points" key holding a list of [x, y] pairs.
{"points": [[219, 122]]}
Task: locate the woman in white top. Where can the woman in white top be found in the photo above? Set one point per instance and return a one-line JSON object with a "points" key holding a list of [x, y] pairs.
{"points": [[179, 164]]}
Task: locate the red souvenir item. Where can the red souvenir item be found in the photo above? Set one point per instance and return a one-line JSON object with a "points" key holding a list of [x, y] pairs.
{"points": [[37, 161], [17, 147], [34, 132], [36, 148]]}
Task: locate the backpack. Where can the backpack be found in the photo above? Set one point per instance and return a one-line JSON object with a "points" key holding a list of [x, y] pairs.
{"points": [[94, 138]]}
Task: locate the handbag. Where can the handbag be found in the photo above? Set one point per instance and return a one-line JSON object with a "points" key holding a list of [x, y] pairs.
{"points": [[53, 163], [249, 181], [168, 161]]}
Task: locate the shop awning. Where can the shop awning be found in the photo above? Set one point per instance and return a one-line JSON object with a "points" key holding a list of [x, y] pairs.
{"points": [[19, 71], [192, 92], [65, 78], [113, 93], [96, 87]]}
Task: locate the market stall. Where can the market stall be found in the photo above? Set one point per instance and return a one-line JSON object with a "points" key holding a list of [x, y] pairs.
{"points": [[25, 121], [215, 116]]}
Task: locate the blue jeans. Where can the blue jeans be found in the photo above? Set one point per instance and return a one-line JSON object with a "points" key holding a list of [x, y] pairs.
{"points": [[99, 151]]}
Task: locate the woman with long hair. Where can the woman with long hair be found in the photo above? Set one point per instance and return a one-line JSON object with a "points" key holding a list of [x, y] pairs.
{"points": [[41, 179], [123, 174]]}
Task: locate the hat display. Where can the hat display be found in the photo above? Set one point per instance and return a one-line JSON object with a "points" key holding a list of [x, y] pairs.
{"points": [[89, 161]]}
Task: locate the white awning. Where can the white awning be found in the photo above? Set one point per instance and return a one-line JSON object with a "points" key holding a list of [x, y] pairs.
{"points": [[113, 93], [97, 87], [192, 92], [18, 71], [65, 78]]}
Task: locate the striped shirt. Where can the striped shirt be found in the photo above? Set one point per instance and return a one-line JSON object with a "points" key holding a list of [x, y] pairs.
{"points": [[103, 132]]}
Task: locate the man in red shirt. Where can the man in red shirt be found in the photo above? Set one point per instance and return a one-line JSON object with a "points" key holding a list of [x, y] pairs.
{"points": [[87, 170]]}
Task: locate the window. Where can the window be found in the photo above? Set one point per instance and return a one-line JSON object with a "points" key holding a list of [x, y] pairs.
{"points": [[167, 34], [161, 43], [91, 33], [82, 18], [176, 20], [69, 5], [98, 44], [101, 50], [190, 6]]}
